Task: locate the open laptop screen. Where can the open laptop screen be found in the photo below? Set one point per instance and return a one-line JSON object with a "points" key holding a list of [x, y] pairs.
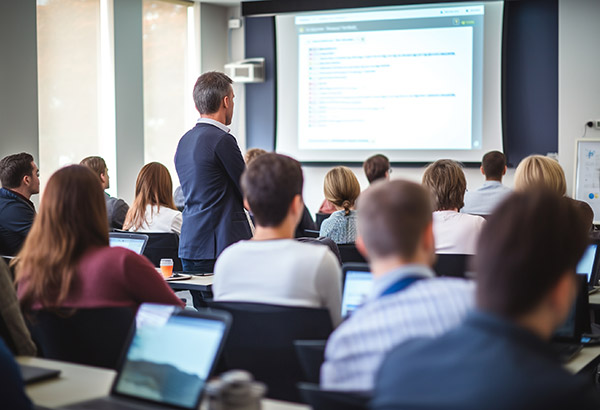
{"points": [[357, 285], [586, 263], [133, 242], [170, 357]]}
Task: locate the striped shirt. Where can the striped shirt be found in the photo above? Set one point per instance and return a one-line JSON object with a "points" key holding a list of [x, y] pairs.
{"points": [[427, 308]]}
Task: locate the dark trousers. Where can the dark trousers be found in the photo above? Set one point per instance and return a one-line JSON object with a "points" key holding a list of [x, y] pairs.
{"points": [[199, 266]]}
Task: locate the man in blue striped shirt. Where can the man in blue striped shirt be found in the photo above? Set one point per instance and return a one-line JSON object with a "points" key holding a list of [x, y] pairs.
{"points": [[395, 233]]}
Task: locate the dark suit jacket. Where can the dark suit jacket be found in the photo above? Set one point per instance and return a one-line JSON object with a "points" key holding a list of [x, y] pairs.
{"points": [[16, 218], [487, 363], [209, 164]]}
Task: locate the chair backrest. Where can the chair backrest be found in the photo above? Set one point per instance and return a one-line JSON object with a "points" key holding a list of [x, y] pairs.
{"points": [[311, 354], [94, 337], [319, 218], [349, 253], [163, 245], [454, 265], [332, 400], [261, 341]]}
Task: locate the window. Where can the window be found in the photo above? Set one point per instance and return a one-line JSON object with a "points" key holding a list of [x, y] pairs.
{"points": [[75, 83], [171, 66]]}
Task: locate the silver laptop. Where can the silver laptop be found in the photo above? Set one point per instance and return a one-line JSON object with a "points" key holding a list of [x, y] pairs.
{"points": [[588, 265], [135, 242], [357, 285], [168, 360]]}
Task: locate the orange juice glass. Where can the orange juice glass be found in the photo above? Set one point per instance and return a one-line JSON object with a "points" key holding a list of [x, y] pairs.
{"points": [[166, 267]]}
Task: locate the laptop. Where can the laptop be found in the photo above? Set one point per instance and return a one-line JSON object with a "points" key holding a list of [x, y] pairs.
{"points": [[168, 359], [588, 265], [566, 340], [357, 281], [133, 241]]}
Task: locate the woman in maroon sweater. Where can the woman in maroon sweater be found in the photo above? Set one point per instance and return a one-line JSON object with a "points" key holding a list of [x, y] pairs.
{"points": [[66, 262]]}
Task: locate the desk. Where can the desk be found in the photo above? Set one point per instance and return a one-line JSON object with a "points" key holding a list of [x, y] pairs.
{"points": [[199, 283], [78, 383], [595, 298], [587, 357]]}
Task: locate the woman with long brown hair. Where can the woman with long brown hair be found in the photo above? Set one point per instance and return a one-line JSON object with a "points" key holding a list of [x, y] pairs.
{"points": [[66, 261], [153, 209]]}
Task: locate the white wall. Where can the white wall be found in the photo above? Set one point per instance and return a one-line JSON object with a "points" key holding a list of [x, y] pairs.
{"points": [[578, 77]]}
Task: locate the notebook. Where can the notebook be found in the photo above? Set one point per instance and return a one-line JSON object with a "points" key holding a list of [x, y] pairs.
{"points": [[588, 265], [356, 286], [168, 359], [133, 241], [566, 340], [34, 374]]}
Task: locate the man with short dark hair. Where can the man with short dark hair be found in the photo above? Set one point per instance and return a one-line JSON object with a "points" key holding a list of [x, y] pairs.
{"points": [[395, 233], [377, 167], [116, 208], [209, 165], [19, 176], [499, 358], [273, 268], [484, 200]]}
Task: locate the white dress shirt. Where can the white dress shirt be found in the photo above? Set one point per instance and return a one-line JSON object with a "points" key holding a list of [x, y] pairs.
{"points": [[426, 308], [484, 200], [161, 220], [280, 272], [455, 232]]}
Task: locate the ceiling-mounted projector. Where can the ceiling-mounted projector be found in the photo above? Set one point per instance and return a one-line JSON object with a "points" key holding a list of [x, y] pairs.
{"points": [[251, 70]]}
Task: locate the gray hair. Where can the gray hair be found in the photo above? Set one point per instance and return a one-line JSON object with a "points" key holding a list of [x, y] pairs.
{"points": [[209, 91]]}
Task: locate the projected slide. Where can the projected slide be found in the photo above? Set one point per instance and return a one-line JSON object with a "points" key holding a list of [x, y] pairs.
{"points": [[357, 85], [416, 83]]}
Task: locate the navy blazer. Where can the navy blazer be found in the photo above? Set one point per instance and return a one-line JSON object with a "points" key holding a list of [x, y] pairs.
{"points": [[16, 218], [209, 164], [487, 363]]}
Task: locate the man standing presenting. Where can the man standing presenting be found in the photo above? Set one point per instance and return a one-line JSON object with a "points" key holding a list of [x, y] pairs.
{"points": [[209, 165], [19, 176]]}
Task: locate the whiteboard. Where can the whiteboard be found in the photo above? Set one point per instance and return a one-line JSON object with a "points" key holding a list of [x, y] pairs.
{"points": [[587, 174]]}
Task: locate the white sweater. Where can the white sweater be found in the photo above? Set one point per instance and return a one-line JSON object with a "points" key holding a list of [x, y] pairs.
{"points": [[165, 220]]}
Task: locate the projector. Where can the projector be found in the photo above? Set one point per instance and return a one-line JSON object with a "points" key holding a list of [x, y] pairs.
{"points": [[251, 70]]}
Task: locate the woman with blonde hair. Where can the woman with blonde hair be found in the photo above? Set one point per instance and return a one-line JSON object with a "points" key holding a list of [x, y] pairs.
{"points": [[454, 232], [153, 209], [341, 188], [66, 262], [538, 171]]}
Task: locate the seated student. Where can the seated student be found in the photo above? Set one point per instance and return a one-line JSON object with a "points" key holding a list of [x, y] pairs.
{"points": [[454, 232], [406, 300], [483, 200], [499, 358], [537, 171], [12, 388], [66, 260], [20, 341], [306, 222], [272, 267], [116, 208], [377, 167], [153, 209], [19, 176], [341, 189]]}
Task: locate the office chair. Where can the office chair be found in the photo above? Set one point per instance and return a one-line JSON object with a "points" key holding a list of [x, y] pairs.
{"points": [[453, 265], [349, 253], [261, 341], [163, 245], [311, 355], [95, 337]]}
